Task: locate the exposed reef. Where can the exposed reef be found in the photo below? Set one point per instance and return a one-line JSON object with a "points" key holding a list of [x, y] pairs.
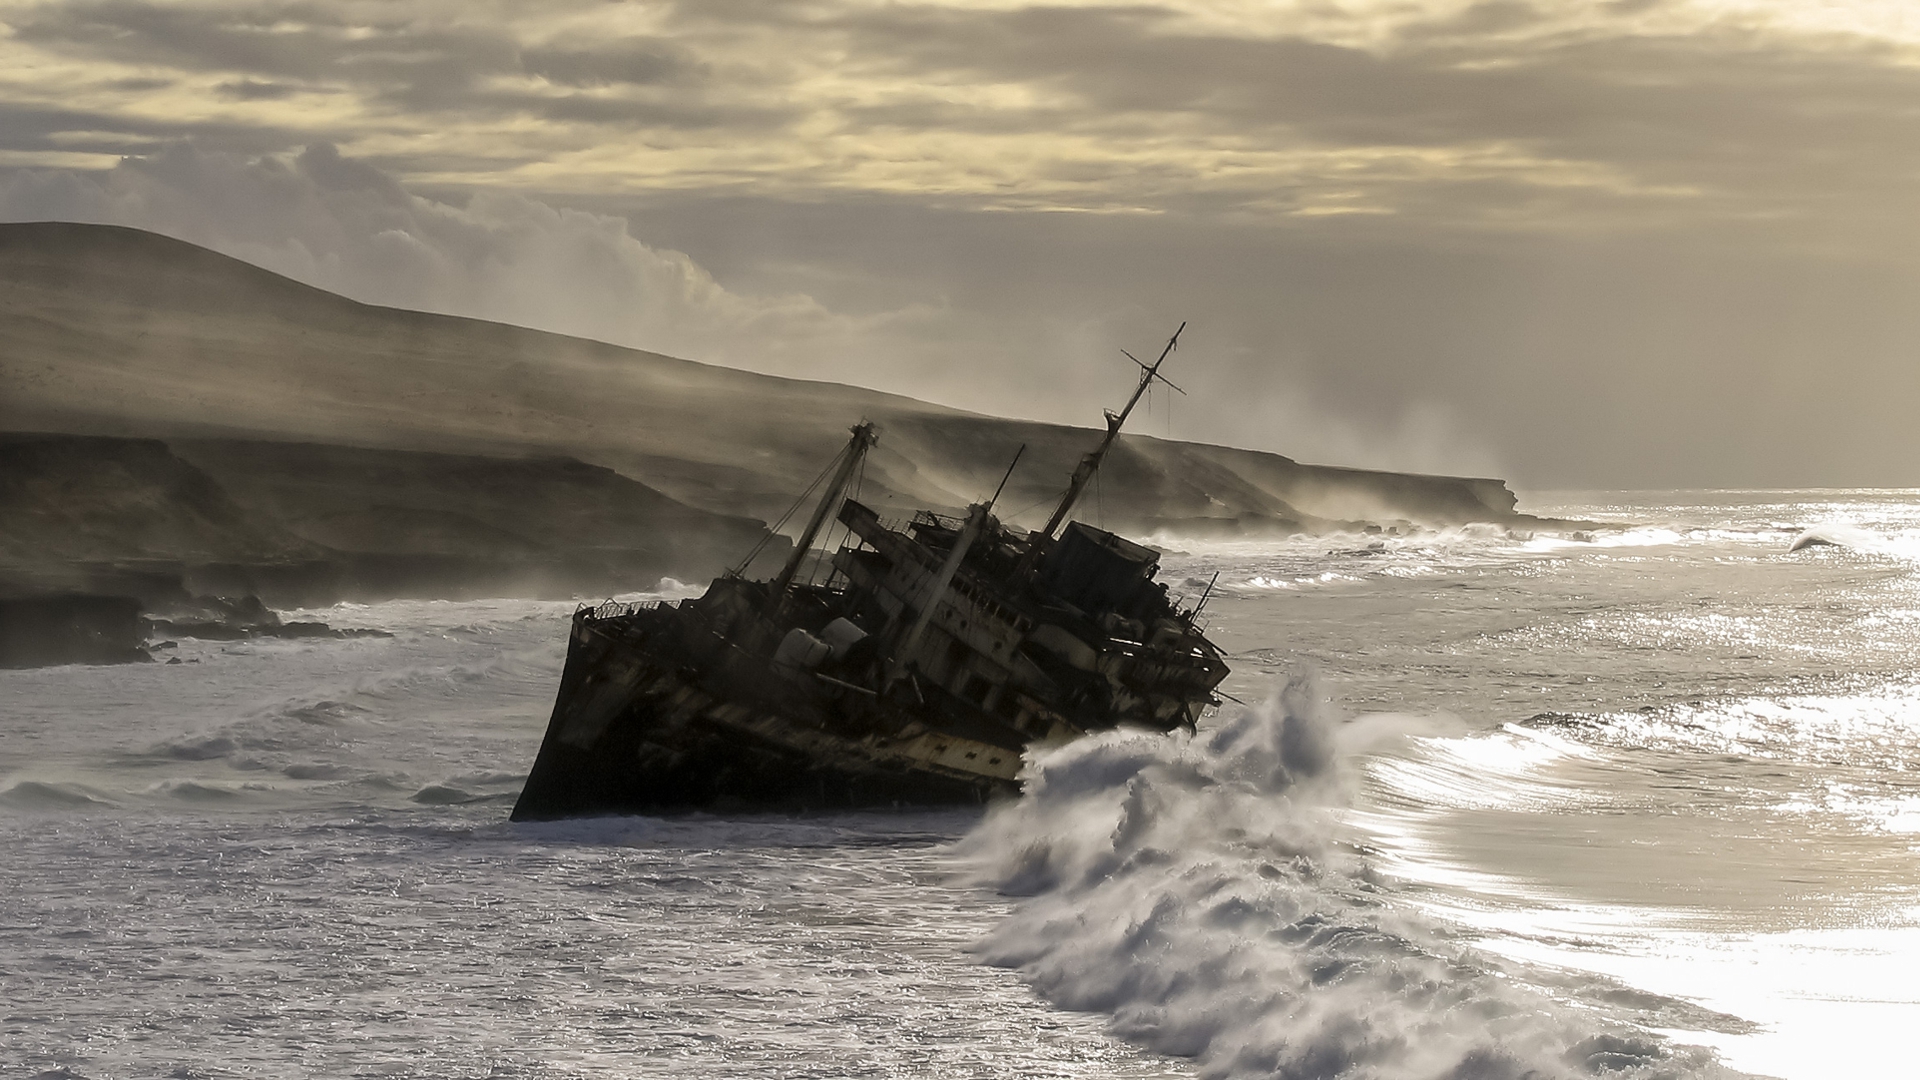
{"points": [[49, 629], [71, 628]]}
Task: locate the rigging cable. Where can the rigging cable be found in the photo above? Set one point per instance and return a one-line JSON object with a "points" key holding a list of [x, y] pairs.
{"points": [[858, 484], [775, 528]]}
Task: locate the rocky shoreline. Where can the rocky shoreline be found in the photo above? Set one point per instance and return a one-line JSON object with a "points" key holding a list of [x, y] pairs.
{"points": [[50, 629]]}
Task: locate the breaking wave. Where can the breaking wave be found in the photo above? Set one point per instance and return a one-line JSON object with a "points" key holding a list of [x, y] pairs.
{"points": [[51, 795], [1200, 891], [1903, 544]]}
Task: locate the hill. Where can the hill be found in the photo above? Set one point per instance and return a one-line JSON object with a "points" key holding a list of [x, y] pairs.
{"points": [[115, 331], [299, 523]]}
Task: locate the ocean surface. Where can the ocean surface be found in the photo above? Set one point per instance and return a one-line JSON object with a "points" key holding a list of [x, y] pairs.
{"points": [[1635, 800]]}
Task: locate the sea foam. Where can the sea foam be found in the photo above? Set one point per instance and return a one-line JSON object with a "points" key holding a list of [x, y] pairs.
{"points": [[1198, 889]]}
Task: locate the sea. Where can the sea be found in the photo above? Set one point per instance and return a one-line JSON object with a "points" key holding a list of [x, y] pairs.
{"points": [[1634, 797]]}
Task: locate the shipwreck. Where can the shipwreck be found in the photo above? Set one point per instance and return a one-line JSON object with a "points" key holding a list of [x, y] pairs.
{"points": [[936, 653]]}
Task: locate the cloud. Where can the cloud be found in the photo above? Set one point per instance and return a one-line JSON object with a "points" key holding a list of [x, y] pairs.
{"points": [[641, 61], [254, 90], [1452, 120], [1483, 116], [311, 41], [345, 226]]}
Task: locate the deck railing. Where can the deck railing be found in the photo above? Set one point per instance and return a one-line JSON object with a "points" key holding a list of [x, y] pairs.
{"points": [[615, 609]]}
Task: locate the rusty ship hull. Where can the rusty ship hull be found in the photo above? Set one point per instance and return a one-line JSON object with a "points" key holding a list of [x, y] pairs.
{"points": [[645, 724]]}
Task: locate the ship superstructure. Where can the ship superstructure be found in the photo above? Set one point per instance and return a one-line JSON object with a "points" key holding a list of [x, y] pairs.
{"points": [[937, 651]]}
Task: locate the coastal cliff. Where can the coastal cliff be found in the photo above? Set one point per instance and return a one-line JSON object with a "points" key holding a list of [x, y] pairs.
{"points": [[115, 331]]}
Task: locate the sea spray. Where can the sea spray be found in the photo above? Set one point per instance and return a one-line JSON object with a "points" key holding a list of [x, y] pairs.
{"points": [[1195, 888]]}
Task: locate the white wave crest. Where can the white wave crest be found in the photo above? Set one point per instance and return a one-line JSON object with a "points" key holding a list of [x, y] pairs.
{"points": [[51, 795], [1194, 888], [1839, 534]]}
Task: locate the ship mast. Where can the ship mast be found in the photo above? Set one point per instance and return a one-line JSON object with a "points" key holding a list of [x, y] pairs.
{"points": [[851, 457], [978, 517], [1091, 463]]}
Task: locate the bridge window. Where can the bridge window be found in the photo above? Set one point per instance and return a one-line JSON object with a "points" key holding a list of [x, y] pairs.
{"points": [[976, 689]]}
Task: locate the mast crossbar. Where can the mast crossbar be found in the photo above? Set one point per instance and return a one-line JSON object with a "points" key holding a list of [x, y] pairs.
{"points": [[1091, 463]]}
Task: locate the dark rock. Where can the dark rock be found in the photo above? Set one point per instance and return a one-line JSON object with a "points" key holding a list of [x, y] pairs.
{"points": [[320, 630], [202, 630], [71, 628]]}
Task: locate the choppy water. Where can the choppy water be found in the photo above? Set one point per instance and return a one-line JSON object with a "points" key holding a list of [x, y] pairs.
{"points": [[1634, 803]]}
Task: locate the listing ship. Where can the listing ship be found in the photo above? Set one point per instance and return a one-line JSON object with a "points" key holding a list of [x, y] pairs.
{"points": [[934, 656]]}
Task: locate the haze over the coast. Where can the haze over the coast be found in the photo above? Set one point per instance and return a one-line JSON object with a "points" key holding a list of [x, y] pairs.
{"points": [[317, 449], [1630, 244], [1498, 656]]}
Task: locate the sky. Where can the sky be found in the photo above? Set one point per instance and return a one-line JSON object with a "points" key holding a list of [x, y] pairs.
{"points": [[1640, 243]]}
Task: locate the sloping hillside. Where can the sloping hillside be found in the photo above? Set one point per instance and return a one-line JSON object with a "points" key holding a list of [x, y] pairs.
{"points": [[298, 523], [123, 500], [118, 331], [558, 523]]}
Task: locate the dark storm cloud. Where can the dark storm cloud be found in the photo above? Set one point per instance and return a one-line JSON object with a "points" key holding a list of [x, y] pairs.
{"points": [[117, 133], [1493, 17], [137, 85], [636, 61], [598, 109], [390, 56], [304, 41], [254, 90]]}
